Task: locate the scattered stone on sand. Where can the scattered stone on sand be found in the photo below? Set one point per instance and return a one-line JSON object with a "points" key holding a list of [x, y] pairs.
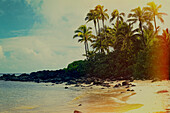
{"points": [[125, 83], [77, 111], [117, 85], [128, 90], [66, 87], [106, 85], [82, 86], [76, 85], [80, 105], [163, 91], [127, 87], [97, 82], [133, 85]]}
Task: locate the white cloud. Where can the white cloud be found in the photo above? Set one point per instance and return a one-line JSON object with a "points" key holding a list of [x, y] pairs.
{"points": [[38, 53], [1, 53]]}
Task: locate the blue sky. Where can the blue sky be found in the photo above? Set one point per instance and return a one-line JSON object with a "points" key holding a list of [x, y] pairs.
{"points": [[37, 34]]}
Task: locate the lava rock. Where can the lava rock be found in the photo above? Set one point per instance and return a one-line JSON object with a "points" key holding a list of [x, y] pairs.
{"points": [[133, 85], [66, 87], [128, 90], [125, 83]]}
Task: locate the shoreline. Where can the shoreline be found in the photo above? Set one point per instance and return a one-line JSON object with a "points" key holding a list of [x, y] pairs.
{"points": [[100, 99]]}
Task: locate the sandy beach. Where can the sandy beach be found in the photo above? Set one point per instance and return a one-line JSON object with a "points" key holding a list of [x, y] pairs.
{"points": [[147, 97]]}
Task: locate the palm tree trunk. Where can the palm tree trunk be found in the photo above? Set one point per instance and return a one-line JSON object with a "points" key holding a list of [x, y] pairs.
{"points": [[104, 29], [99, 34], [103, 23], [95, 27], [98, 26], [155, 24], [85, 48]]}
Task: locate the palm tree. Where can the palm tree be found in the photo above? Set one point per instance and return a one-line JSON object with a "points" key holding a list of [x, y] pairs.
{"points": [[85, 35], [153, 9], [92, 16], [128, 36], [117, 15], [103, 15], [140, 15], [150, 35], [99, 45]]}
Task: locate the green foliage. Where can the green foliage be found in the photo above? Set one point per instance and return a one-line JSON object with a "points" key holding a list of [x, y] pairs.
{"points": [[77, 68], [121, 51]]}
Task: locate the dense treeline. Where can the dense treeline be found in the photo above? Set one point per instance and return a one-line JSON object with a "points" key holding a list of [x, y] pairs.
{"points": [[122, 50]]}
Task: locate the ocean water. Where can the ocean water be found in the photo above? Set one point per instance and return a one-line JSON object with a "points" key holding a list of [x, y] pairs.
{"points": [[26, 97]]}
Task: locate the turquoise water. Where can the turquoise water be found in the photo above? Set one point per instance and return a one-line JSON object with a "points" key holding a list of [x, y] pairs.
{"points": [[26, 97]]}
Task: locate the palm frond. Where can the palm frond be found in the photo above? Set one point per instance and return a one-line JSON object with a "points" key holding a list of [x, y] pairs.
{"points": [[123, 14], [77, 31], [75, 36]]}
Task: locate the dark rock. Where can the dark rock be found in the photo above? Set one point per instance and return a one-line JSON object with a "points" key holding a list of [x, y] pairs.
{"points": [[71, 82], [52, 84], [125, 83], [97, 82], [128, 90], [133, 85], [89, 81], [106, 85], [102, 88], [80, 105], [117, 85], [76, 85], [67, 78], [66, 87], [82, 86], [89, 86], [127, 87], [132, 90], [154, 80]]}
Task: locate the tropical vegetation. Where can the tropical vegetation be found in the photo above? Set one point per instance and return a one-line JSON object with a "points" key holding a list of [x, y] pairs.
{"points": [[125, 48]]}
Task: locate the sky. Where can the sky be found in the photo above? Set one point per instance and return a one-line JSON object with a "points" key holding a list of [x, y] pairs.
{"points": [[38, 34]]}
